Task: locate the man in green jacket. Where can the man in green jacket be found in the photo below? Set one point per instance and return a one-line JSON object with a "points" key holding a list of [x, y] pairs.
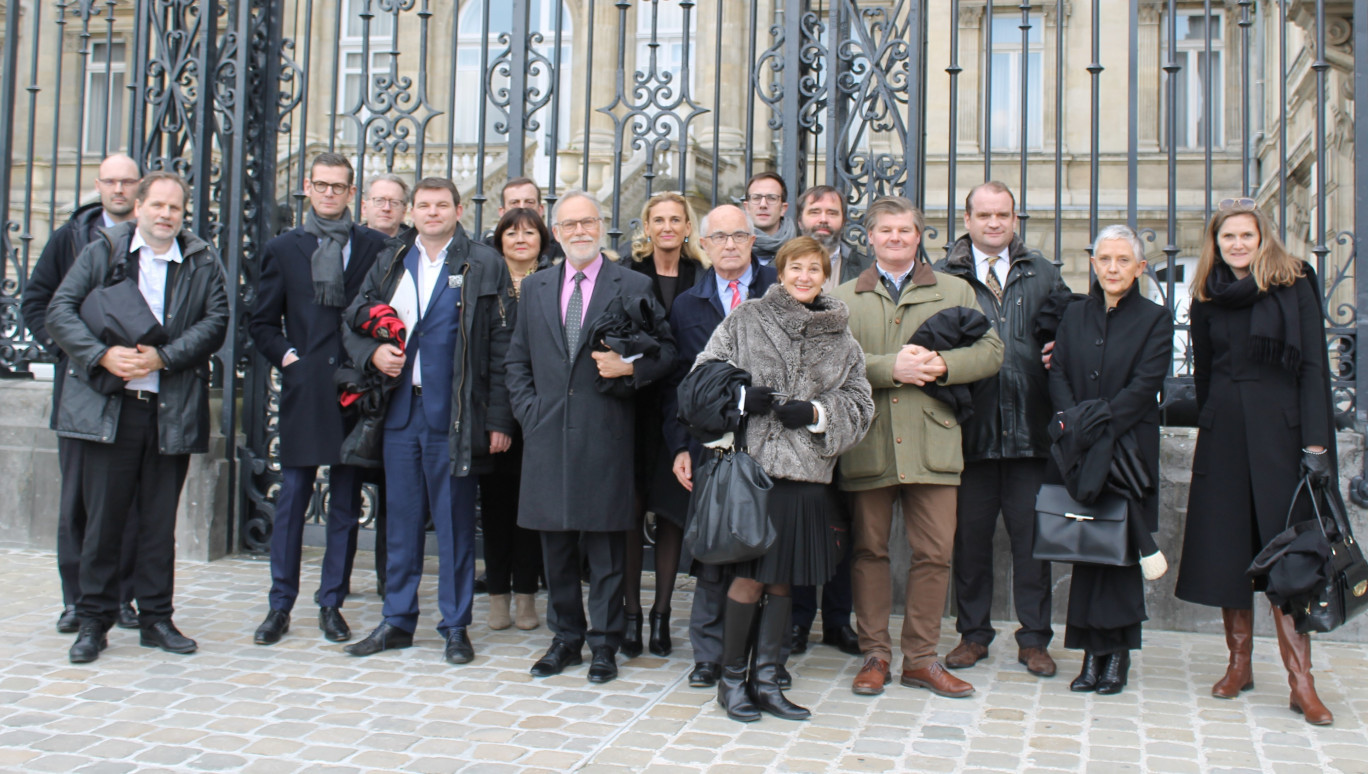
{"points": [[912, 453]]}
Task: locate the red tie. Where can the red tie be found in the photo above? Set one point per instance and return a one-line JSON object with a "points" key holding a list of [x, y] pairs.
{"points": [[735, 288]]}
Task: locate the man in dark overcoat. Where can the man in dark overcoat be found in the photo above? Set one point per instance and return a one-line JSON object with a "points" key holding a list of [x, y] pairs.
{"points": [[578, 459], [297, 326], [448, 410], [736, 275], [118, 177], [1005, 440]]}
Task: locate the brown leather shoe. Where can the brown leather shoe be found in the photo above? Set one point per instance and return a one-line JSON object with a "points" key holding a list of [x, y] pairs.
{"points": [[1037, 661], [966, 654], [935, 679], [872, 678]]}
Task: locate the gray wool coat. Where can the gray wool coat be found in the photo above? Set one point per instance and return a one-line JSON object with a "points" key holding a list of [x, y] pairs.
{"points": [[808, 355]]}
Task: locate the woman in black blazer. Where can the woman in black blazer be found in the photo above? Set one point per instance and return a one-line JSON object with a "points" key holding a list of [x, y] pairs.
{"points": [[1114, 347], [1265, 418], [666, 250]]}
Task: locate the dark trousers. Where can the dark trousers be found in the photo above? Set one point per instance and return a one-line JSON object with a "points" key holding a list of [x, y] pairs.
{"points": [[606, 553], [287, 534], [379, 520], [987, 488], [705, 619], [512, 554], [71, 528], [418, 482], [836, 600], [115, 478]]}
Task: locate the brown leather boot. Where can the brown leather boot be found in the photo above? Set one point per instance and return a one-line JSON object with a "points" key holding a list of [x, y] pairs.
{"points": [[1239, 631], [1296, 656]]}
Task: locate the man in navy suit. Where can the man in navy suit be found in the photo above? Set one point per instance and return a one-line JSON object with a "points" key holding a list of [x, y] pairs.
{"points": [[448, 410], [308, 276], [736, 275]]}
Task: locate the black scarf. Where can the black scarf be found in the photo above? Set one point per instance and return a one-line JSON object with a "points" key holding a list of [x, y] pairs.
{"points": [[1274, 325], [326, 263]]}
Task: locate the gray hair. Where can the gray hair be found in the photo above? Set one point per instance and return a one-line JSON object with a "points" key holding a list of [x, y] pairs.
{"points": [[574, 193], [1123, 232], [388, 177], [703, 224]]}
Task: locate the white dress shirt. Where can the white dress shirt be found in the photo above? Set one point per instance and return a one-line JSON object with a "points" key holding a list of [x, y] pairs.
{"points": [[999, 267], [152, 270], [429, 271]]}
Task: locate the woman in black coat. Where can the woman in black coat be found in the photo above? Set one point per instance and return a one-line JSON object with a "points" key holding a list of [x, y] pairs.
{"points": [[667, 251], [1265, 417], [1116, 347]]}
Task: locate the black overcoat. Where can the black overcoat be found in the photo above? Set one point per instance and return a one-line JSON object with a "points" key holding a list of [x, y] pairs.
{"points": [[285, 317], [1253, 421], [578, 443], [1122, 357]]}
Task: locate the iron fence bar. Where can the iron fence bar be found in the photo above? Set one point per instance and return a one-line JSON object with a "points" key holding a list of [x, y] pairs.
{"points": [[791, 156], [137, 116], [83, 56], [555, 76], [1282, 121], [1319, 66], [1172, 67], [588, 96], [1023, 215], [57, 109], [1207, 135], [1245, 86], [109, 76], [988, 90], [481, 132], [304, 113], [717, 99], [837, 31], [1059, 134], [1095, 95], [420, 143], [517, 86], [620, 127], [7, 100], [686, 96], [748, 141], [451, 93], [202, 126], [26, 235], [334, 92], [916, 104], [1358, 489], [952, 159]]}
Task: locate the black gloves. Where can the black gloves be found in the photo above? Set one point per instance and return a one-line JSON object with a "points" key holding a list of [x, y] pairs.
{"points": [[1316, 467], [759, 400], [795, 414]]}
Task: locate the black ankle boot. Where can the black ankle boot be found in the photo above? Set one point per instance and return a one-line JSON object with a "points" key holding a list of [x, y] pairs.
{"points": [[731, 687], [631, 637], [1087, 679], [659, 642], [769, 657], [1114, 673]]}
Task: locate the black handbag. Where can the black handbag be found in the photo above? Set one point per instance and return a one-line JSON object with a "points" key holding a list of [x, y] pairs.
{"points": [[1071, 532], [729, 509]]}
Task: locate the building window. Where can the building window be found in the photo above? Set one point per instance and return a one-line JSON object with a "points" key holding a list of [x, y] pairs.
{"points": [[354, 74], [1006, 101], [104, 107], [1195, 106]]}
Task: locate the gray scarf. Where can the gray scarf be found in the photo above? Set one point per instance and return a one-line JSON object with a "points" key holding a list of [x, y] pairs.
{"points": [[326, 263], [772, 243]]}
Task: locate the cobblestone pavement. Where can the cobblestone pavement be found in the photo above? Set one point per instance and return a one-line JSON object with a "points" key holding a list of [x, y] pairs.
{"points": [[304, 705]]}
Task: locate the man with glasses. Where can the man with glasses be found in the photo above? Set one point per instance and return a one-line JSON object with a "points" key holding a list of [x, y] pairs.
{"points": [[822, 216], [386, 204], [118, 178], [524, 193], [736, 275], [766, 203], [578, 439], [308, 276]]}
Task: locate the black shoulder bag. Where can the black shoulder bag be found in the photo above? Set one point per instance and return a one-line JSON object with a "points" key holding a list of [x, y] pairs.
{"points": [[729, 508]]}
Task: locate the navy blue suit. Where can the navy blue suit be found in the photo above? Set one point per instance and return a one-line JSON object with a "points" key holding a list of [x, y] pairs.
{"points": [[286, 318], [418, 470]]}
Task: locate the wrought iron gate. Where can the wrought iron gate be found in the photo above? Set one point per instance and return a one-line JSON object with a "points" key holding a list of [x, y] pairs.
{"points": [[1094, 111]]}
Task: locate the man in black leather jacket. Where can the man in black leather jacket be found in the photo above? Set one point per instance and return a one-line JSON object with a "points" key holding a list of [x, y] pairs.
{"points": [[1005, 441]]}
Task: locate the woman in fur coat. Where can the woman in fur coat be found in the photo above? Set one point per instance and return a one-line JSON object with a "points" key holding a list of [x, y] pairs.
{"points": [[809, 401]]}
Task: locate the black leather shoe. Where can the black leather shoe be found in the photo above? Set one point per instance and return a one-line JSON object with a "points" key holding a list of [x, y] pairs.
{"points": [[68, 622], [843, 638], [165, 635], [603, 669], [128, 617], [459, 650], [333, 625], [798, 640], [1087, 678], [270, 631], [1114, 673], [631, 636], [481, 584], [89, 642], [782, 678], [705, 674], [559, 656], [660, 643], [385, 637]]}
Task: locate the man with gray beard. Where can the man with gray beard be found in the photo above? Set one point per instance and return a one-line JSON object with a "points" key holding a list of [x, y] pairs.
{"points": [[822, 216]]}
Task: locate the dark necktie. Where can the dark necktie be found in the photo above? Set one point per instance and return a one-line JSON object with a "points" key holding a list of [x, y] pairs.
{"points": [[993, 283], [574, 314]]}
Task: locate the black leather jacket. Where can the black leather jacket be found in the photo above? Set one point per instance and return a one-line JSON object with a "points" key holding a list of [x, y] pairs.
{"points": [[196, 320], [1011, 409]]}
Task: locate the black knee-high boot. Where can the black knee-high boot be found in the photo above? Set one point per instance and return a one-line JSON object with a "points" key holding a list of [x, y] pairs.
{"points": [[769, 656], [731, 687]]}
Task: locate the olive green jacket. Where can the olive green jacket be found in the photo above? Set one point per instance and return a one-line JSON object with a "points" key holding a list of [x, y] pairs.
{"points": [[914, 438]]}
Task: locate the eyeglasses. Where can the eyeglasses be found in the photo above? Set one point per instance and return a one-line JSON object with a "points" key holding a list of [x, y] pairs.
{"points": [[1233, 204], [385, 204], [118, 182], [339, 189], [765, 198], [571, 226], [738, 237]]}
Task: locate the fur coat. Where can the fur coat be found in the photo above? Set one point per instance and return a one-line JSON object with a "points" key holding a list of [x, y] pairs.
{"points": [[808, 355]]}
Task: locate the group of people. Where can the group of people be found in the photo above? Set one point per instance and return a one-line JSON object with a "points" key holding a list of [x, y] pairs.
{"points": [[540, 375]]}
